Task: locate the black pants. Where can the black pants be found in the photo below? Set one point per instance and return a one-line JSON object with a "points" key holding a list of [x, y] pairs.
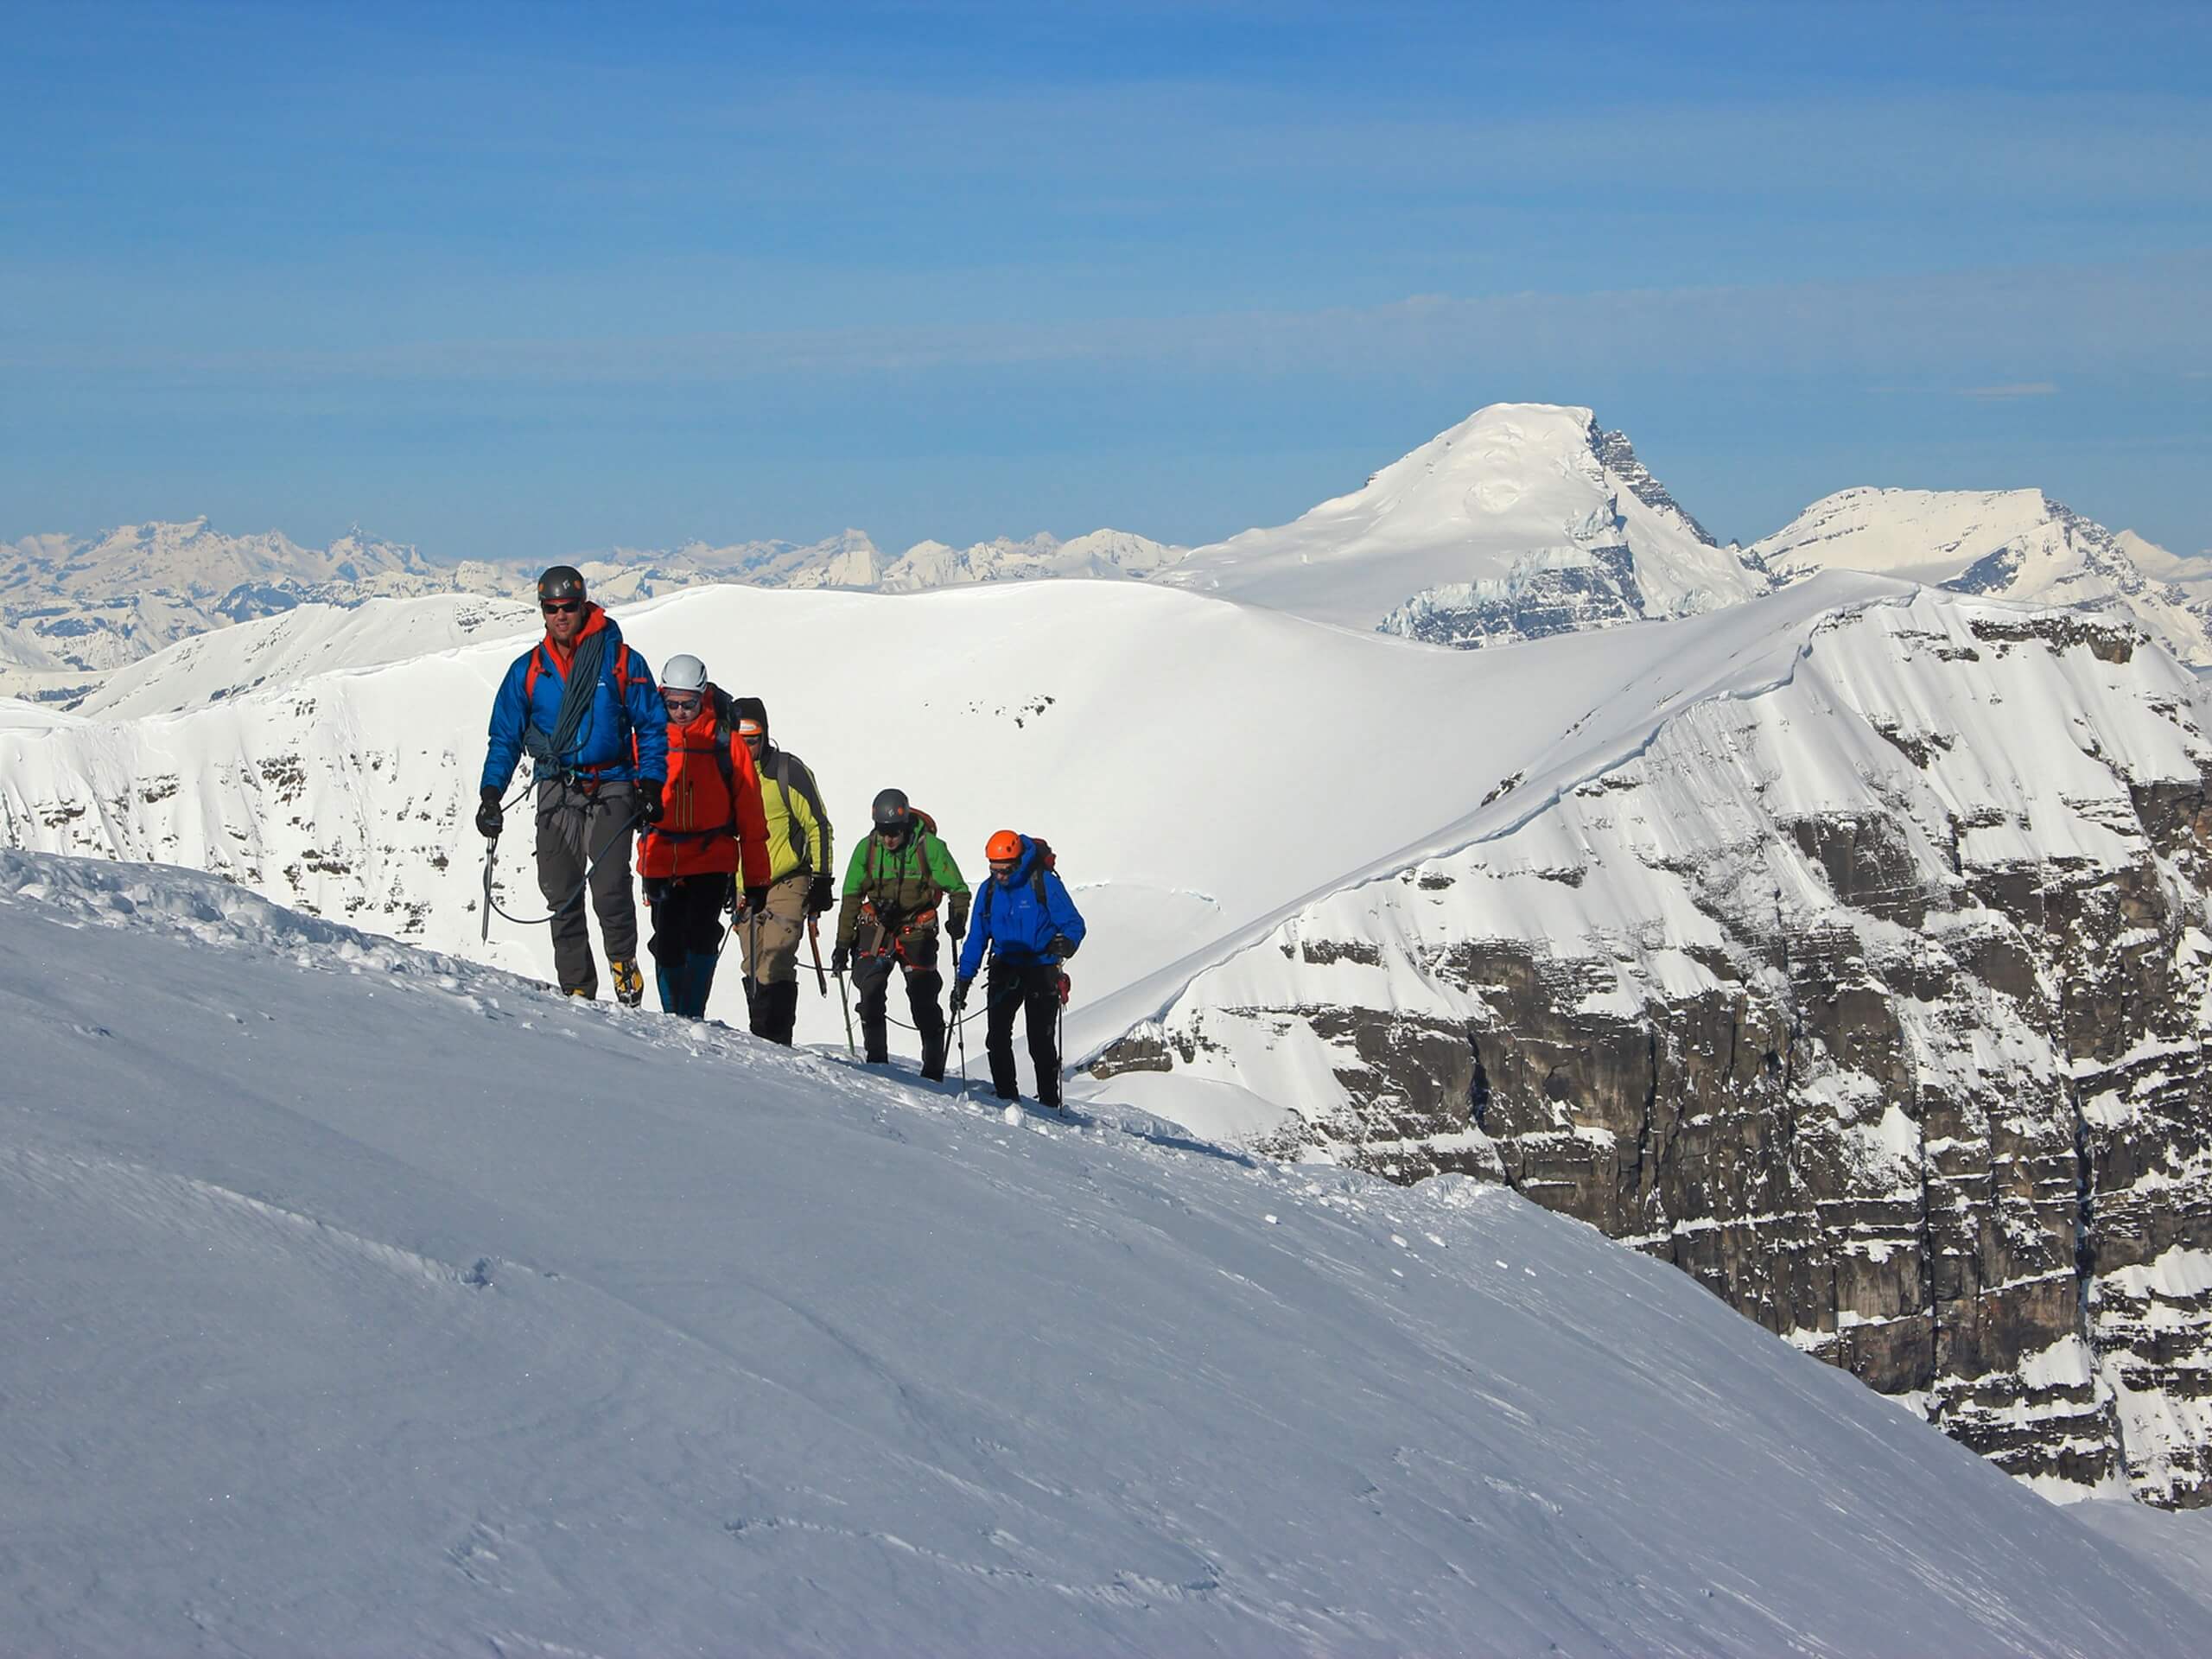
{"points": [[917, 956], [1026, 985], [687, 925], [576, 826]]}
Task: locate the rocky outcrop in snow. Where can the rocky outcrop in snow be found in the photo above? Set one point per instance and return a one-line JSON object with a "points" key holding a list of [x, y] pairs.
{"points": [[1875, 998]]}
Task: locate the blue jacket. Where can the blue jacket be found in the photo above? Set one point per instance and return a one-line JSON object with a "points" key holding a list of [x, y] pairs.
{"points": [[625, 736], [1012, 917]]}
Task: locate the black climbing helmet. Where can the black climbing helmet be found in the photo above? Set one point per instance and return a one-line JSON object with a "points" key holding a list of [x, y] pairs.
{"points": [[891, 810], [561, 581]]}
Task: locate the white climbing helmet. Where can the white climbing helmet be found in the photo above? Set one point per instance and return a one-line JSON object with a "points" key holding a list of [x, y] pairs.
{"points": [[683, 674]]}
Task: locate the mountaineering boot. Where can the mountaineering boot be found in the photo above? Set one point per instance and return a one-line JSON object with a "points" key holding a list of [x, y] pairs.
{"points": [[698, 982], [933, 1058], [775, 1011], [875, 1038], [629, 983], [586, 991]]}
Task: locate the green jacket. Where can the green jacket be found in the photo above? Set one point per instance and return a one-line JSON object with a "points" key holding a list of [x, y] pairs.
{"points": [[902, 886]]}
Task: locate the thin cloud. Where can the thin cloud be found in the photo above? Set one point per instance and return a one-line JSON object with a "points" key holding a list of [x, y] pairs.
{"points": [[1963, 326]]}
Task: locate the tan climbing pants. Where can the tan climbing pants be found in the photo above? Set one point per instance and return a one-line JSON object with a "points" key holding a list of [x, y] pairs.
{"points": [[771, 941]]}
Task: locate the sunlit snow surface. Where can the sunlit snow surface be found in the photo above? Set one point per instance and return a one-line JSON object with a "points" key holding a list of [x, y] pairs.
{"points": [[360, 1300]]}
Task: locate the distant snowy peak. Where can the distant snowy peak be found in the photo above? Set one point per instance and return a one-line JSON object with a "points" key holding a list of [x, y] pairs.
{"points": [[1103, 553], [74, 610], [192, 558], [2018, 544], [1524, 520], [849, 559]]}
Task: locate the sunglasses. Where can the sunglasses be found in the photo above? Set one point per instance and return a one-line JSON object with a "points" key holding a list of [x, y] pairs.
{"points": [[680, 702], [564, 606]]}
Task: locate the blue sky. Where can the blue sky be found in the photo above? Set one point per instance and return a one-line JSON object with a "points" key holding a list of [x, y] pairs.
{"points": [[517, 280]]}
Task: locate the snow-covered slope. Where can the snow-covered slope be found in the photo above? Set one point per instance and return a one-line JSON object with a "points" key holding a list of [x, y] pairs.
{"points": [[1524, 520], [1869, 980], [362, 1301], [298, 645], [1197, 764], [2009, 543], [1207, 769]]}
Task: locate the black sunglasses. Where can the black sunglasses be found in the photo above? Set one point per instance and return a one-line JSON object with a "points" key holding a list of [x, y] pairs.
{"points": [[564, 606]]}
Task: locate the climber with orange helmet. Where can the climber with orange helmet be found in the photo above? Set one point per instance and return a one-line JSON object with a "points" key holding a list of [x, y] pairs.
{"points": [[1024, 915], [712, 826]]}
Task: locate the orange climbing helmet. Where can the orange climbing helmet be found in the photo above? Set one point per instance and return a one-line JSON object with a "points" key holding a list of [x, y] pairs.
{"points": [[1004, 847]]}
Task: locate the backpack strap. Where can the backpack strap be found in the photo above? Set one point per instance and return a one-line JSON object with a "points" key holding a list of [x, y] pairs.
{"points": [[726, 734]]}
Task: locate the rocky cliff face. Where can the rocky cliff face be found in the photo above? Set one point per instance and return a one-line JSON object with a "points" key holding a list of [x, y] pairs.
{"points": [[1877, 1001]]}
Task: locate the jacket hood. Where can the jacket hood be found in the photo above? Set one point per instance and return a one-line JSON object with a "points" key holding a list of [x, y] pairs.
{"points": [[1021, 871]]}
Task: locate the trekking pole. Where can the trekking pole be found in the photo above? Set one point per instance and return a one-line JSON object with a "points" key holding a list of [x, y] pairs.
{"points": [[960, 1035], [1060, 1040], [752, 953], [847, 1002], [491, 852], [814, 939]]}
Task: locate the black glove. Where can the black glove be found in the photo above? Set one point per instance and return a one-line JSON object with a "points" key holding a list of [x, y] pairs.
{"points": [[756, 900], [655, 891], [959, 995], [840, 957], [954, 929], [490, 817], [820, 895], [1060, 946], [649, 807]]}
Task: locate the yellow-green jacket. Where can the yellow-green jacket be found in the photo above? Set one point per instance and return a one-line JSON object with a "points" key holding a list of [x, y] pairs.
{"points": [[799, 826]]}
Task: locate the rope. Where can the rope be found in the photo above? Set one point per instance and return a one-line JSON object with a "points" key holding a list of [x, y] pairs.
{"points": [[591, 865]]}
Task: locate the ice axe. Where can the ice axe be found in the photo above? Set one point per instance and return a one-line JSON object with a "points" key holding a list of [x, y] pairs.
{"points": [[491, 852]]}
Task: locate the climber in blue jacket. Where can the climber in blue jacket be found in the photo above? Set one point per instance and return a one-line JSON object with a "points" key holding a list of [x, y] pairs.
{"points": [[583, 706], [1024, 915]]}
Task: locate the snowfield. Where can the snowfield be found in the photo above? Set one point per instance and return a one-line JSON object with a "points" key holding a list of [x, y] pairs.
{"points": [[363, 1299]]}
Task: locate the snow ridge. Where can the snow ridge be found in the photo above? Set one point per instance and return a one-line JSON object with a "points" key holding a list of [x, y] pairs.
{"points": [[619, 1332]]}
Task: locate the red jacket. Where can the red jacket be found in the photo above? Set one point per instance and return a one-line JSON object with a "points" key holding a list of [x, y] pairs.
{"points": [[702, 830]]}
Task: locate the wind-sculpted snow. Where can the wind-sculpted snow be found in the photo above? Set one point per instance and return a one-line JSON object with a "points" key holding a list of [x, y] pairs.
{"points": [[360, 1301], [1873, 994]]}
